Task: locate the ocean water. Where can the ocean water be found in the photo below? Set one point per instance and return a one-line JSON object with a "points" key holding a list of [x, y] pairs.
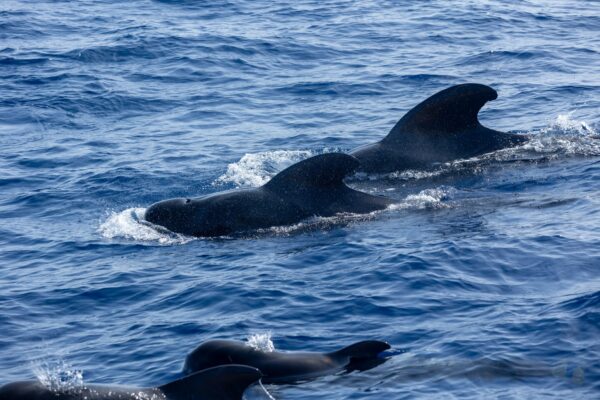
{"points": [[484, 278]]}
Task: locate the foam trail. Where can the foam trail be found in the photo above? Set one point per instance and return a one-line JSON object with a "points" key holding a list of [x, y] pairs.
{"points": [[567, 136], [130, 224], [426, 199]]}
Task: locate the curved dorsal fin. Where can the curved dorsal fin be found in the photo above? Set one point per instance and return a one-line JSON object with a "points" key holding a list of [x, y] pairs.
{"points": [[452, 110], [219, 383], [322, 171]]}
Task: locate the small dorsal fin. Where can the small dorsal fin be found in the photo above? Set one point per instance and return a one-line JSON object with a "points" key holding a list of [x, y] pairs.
{"points": [[322, 171], [219, 383], [364, 349], [452, 110]]}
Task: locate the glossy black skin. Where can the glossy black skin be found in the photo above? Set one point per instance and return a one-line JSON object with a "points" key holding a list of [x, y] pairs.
{"points": [[292, 367], [313, 187], [34, 390], [442, 128], [221, 383]]}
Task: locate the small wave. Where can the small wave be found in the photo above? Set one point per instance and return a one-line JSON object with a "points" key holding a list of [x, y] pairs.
{"points": [[565, 136], [406, 175], [315, 224], [256, 169], [130, 224], [58, 376], [426, 199], [261, 341]]}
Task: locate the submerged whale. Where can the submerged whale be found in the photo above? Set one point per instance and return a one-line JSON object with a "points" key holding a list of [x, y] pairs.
{"points": [[313, 187], [442, 128], [220, 383], [278, 367]]}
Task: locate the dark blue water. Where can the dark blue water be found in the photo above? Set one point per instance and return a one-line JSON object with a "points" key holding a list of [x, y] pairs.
{"points": [[485, 278]]}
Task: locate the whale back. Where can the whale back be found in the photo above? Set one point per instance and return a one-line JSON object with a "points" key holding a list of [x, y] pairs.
{"points": [[286, 367], [362, 356], [324, 171], [221, 383], [316, 187], [218, 383], [364, 349], [35, 390]]}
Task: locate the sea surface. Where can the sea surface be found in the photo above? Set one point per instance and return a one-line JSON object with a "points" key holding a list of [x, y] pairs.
{"points": [[484, 278]]}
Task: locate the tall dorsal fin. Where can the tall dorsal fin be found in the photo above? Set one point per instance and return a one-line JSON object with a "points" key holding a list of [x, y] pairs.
{"points": [[322, 171], [219, 383], [364, 349], [452, 110]]}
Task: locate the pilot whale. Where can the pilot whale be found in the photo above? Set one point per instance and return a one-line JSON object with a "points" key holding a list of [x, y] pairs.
{"points": [[279, 367], [442, 128], [220, 383], [312, 187]]}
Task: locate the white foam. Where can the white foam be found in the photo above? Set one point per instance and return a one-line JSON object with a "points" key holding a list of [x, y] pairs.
{"points": [[405, 175], [426, 199], [130, 224], [261, 341], [567, 136], [58, 375], [256, 169]]}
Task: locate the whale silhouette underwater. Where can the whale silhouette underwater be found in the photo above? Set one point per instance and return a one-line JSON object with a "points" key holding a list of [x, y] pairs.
{"points": [[286, 367], [220, 383], [442, 128]]}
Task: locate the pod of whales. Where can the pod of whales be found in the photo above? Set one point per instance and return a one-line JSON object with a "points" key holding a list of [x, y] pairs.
{"points": [[220, 383], [442, 128], [279, 367], [313, 187]]}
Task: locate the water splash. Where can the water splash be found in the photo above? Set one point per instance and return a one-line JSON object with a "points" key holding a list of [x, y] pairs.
{"points": [[58, 375], [254, 170], [130, 224], [427, 199], [565, 136], [261, 341]]}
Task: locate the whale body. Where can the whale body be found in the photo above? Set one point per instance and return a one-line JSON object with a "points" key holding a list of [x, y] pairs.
{"points": [[442, 128], [312, 187], [281, 367], [220, 383]]}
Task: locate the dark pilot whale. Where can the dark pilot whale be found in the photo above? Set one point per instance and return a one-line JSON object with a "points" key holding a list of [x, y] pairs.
{"points": [[313, 187], [442, 128], [280, 367], [220, 383]]}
